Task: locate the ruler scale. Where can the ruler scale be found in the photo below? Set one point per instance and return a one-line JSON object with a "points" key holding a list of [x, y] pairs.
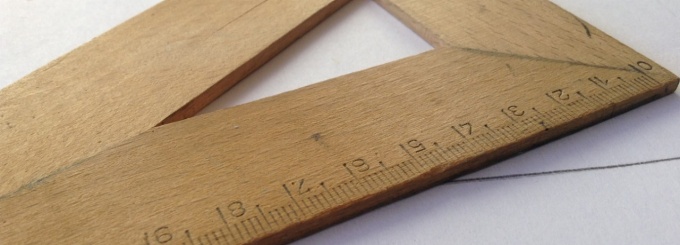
{"points": [[276, 169]]}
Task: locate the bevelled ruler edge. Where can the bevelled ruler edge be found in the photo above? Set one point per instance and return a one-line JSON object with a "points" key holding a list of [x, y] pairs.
{"points": [[201, 101]]}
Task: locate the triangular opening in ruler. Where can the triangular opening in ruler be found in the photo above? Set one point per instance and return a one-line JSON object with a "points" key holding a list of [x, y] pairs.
{"points": [[336, 47]]}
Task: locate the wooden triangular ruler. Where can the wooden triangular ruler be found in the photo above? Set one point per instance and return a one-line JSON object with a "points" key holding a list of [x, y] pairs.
{"points": [[505, 75]]}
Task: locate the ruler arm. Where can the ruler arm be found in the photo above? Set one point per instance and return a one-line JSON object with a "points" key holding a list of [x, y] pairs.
{"points": [[161, 66], [279, 168]]}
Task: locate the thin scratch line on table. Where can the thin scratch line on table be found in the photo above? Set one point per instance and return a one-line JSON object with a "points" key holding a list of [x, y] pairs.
{"points": [[565, 171]]}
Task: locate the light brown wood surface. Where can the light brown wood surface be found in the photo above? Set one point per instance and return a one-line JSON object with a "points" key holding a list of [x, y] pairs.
{"points": [[531, 28], [279, 168], [161, 66]]}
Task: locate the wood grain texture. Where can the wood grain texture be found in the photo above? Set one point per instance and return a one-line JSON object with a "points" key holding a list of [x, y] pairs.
{"points": [[227, 167], [538, 29], [279, 168], [161, 66]]}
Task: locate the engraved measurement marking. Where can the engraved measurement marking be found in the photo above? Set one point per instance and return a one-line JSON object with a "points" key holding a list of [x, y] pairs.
{"points": [[242, 223]]}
